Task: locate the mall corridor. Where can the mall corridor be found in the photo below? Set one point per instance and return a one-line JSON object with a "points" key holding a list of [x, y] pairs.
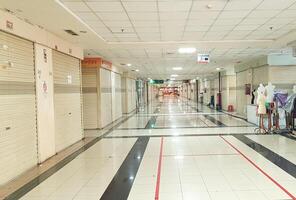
{"points": [[148, 99], [175, 149]]}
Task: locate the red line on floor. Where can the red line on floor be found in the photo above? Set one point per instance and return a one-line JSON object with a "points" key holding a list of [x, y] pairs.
{"points": [[261, 170], [210, 154], [159, 171]]}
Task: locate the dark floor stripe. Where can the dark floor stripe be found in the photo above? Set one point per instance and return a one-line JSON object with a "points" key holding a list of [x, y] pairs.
{"points": [[273, 157], [183, 127], [152, 121], [182, 135], [42, 177], [214, 120], [121, 184]]}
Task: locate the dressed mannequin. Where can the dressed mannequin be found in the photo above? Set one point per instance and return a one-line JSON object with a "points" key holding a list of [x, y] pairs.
{"points": [[261, 105], [269, 92], [261, 100], [270, 103], [294, 89]]}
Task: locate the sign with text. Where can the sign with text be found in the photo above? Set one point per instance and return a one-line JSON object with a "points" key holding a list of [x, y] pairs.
{"points": [[203, 58], [106, 64], [91, 62]]}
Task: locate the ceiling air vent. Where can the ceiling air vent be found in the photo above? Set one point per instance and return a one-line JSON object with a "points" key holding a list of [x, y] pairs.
{"points": [[71, 32]]}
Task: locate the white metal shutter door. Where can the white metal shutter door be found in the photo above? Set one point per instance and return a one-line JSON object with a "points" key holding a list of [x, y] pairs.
{"points": [[116, 101], [18, 138], [67, 100], [90, 98], [106, 97]]}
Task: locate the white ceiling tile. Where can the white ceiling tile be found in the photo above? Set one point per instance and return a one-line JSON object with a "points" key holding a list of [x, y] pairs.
{"points": [[94, 23], [221, 28], [118, 29], [213, 37], [233, 14], [253, 21], [287, 14], [197, 28], [167, 6], [257, 14], [86, 15], [150, 36], [200, 22], [174, 23], [242, 4], [239, 32], [229, 22], [111, 6], [193, 35], [139, 6], [144, 16], [116, 23], [275, 4], [203, 5], [77, 6], [245, 27], [281, 21], [173, 15], [147, 30], [111, 16], [203, 15], [140, 23]]}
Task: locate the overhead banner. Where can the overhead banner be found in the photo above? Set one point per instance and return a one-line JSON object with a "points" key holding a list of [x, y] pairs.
{"points": [[203, 58], [96, 63], [91, 62]]}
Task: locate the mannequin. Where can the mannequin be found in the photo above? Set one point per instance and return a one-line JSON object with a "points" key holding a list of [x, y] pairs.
{"points": [[269, 92], [269, 100], [294, 89], [261, 104]]}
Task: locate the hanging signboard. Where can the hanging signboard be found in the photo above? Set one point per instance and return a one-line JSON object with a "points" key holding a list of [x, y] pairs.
{"points": [[203, 58]]}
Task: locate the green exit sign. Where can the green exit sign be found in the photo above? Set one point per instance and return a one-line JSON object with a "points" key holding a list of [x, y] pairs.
{"points": [[156, 81]]}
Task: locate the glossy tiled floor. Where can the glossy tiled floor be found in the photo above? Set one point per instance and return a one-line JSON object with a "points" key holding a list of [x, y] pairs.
{"points": [[175, 149]]}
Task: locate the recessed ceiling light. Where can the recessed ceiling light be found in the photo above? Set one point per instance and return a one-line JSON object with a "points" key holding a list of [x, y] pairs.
{"points": [[187, 50], [218, 68], [177, 68], [128, 64], [172, 79], [209, 6], [137, 70], [174, 75]]}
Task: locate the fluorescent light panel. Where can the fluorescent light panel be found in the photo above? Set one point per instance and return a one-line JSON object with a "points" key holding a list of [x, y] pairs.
{"points": [[177, 68], [187, 50]]}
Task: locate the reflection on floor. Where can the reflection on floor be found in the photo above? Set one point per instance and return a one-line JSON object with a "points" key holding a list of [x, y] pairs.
{"points": [[175, 149]]}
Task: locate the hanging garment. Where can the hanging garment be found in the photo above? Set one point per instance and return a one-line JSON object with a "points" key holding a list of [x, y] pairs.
{"points": [[261, 105]]}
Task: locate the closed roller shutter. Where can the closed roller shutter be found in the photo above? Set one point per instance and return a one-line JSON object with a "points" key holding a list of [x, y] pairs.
{"points": [[67, 100], [106, 97], [116, 96], [90, 98], [18, 137]]}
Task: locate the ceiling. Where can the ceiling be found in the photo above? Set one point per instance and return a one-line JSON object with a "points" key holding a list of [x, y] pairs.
{"points": [[148, 33]]}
